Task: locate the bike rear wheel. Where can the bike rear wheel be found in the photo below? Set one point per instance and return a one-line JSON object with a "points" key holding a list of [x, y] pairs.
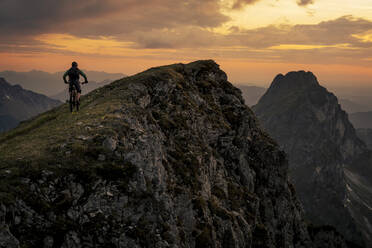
{"points": [[73, 100], [77, 104]]}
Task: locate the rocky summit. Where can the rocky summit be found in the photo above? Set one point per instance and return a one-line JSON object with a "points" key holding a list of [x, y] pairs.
{"points": [[329, 165], [171, 157]]}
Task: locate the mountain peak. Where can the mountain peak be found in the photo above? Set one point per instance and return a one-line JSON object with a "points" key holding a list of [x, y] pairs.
{"points": [[295, 88], [195, 68], [325, 154], [295, 80]]}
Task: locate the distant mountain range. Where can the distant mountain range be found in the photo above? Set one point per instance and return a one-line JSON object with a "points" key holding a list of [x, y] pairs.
{"points": [[330, 166], [85, 89], [361, 119], [351, 106], [359, 95], [51, 84], [17, 104], [365, 134], [251, 93]]}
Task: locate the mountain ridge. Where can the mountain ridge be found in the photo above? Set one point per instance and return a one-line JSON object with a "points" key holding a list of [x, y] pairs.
{"points": [[168, 157]]}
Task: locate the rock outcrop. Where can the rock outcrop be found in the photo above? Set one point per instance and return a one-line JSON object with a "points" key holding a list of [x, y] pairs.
{"points": [[329, 165], [170, 157]]}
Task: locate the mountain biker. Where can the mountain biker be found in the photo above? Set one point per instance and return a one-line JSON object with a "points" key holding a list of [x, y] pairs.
{"points": [[73, 78]]}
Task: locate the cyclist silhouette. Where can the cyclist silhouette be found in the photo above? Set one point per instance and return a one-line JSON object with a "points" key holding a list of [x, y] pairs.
{"points": [[73, 79]]}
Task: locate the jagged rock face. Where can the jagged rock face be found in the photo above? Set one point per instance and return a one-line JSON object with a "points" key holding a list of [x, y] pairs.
{"points": [[328, 163], [167, 158], [324, 235], [17, 104]]}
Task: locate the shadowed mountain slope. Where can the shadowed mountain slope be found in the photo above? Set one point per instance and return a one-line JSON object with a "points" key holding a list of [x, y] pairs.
{"points": [[329, 165], [17, 104]]}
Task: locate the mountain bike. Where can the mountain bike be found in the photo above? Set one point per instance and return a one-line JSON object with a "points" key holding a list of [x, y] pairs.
{"points": [[73, 99], [74, 103]]}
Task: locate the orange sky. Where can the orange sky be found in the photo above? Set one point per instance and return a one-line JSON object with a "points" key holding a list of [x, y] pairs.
{"points": [[332, 38]]}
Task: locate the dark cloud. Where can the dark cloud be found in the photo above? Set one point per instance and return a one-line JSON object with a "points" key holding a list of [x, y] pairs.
{"points": [[238, 4], [39, 16], [109, 17], [326, 42], [328, 33], [304, 2]]}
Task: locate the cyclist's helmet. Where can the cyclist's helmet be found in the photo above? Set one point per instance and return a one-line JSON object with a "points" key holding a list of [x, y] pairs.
{"points": [[74, 64]]}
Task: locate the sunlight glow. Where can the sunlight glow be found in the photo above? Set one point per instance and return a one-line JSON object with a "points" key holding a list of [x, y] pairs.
{"points": [[365, 37], [268, 12], [107, 46], [308, 47], [255, 37]]}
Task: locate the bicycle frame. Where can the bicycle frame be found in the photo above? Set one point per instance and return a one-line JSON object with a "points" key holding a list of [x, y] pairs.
{"points": [[73, 99]]}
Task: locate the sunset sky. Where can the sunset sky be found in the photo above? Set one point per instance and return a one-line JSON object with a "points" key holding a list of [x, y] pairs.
{"points": [[252, 40]]}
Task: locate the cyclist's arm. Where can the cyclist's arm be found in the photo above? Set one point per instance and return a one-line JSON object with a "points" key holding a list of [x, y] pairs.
{"points": [[65, 76], [83, 74]]}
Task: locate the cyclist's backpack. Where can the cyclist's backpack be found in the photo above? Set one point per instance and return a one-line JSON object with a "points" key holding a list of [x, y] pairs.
{"points": [[73, 74]]}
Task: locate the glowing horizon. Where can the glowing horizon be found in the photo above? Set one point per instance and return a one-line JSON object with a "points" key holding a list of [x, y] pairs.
{"points": [[252, 40]]}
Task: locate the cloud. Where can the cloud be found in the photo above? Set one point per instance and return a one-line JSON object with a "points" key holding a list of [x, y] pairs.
{"points": [[174, 29], [109, 17], [305, 2], [338, 31], [344, 30], [343, 39], [239, 4]]}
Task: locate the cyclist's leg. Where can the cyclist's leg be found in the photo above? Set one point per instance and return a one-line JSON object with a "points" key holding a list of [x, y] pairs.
{"points": [[78, 89], [71, 100]]}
